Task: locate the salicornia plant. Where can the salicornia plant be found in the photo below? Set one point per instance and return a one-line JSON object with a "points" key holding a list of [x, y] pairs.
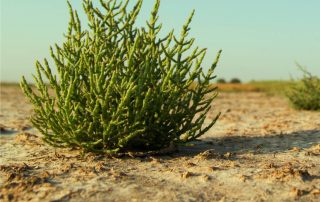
{"points": [[119, 87], [306, 93]]}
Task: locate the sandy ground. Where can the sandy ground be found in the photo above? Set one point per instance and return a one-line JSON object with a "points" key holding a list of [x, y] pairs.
{"points": [[259, 150]]}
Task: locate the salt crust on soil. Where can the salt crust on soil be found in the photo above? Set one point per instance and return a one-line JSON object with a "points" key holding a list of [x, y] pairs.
{"points": [[259, 150]]}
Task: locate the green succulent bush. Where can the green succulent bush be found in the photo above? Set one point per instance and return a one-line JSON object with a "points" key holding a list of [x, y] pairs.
{"points": [[305, 94], [120, 88]]}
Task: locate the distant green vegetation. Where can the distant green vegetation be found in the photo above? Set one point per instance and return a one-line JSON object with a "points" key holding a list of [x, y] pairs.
{"points": [[5, 84], [273, 87]]}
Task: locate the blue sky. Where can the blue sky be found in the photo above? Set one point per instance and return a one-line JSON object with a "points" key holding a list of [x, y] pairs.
{"points": [[260, 39]]}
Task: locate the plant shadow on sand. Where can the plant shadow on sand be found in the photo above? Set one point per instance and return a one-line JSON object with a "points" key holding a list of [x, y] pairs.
{"points": [[237, 147], [267, 144], [231, 146]]}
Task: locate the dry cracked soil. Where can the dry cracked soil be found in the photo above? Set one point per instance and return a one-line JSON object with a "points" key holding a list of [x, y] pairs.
{"points": [[259, 150]]}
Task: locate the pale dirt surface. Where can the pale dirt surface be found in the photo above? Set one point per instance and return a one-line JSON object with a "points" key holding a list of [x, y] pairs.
{"points": [[259, 150]]}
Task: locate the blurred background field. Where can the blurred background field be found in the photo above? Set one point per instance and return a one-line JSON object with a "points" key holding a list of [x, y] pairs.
{"points": [[271, 87]]}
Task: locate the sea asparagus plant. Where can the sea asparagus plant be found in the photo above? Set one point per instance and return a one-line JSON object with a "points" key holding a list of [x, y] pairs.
{"points": [[305, 94], [120, 87]]}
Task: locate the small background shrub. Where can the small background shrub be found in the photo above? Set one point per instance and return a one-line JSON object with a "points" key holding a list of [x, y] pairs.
{"points": [[221, 80], [306, 93], [235, 80], [120, 87]]}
